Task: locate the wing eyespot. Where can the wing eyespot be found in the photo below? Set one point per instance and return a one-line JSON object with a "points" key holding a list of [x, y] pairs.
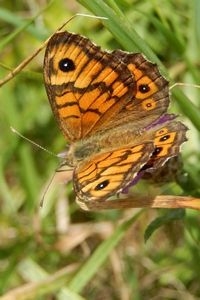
{"points": [[102, 185], [156, 151], [144, 88], [66, 65], [164, 138]]}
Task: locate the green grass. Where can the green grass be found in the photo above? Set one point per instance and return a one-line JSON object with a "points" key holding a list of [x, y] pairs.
{"points": [[58, 251]]}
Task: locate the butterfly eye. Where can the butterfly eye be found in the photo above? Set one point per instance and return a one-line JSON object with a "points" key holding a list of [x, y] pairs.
{"points": [[144, 88], [101, 185], [164, 138], [66, 65]]}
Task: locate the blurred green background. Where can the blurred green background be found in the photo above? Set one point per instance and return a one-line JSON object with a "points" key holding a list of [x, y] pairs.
{"points": [[58, 251]]}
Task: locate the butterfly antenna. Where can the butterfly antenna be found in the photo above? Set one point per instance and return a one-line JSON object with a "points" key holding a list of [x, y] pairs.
{"points": [[50, 182], [32, 142], [184, 84], [47, 188]]}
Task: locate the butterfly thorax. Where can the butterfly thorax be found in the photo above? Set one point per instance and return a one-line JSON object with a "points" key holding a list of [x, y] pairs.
{"points": [[102, 142]]}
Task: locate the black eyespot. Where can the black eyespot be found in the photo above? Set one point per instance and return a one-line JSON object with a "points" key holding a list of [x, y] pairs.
{"points": [[147, 166], [164, 138], [101, 185], [66, 65], [144, 88], [156, 151]]}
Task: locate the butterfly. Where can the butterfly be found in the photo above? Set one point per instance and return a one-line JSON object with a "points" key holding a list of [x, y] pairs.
{"points": [[112, 109]]}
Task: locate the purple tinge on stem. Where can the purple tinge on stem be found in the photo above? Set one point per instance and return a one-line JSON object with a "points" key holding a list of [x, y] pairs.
{"points": [[161, 120], [133, 182]]}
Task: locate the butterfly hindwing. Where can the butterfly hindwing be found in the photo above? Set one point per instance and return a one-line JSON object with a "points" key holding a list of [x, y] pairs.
{"points": [[167, 139], [108, 173]]}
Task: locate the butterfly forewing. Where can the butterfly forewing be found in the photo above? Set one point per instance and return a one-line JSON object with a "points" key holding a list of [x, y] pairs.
{"points": [[86, 87], [150, 99]]}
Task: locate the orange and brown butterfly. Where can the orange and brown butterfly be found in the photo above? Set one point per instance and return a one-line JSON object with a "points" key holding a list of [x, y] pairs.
{"points": [[112, 109]]}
